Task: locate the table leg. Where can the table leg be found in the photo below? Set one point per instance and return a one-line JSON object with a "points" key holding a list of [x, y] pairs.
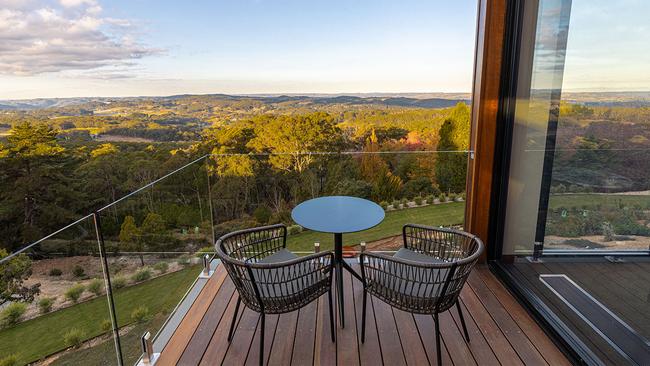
{"points": [[338, 262]]}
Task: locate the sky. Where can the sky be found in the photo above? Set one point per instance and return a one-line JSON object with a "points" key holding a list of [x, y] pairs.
{"points": [[75, 48]]}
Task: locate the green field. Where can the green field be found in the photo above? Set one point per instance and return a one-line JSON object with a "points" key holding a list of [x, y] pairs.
{"points": [[42, 336], [436, 215], [587, 199]]}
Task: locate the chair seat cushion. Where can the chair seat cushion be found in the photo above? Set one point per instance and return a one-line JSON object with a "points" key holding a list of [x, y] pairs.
{"points": [[414, 256], [282, 255]]}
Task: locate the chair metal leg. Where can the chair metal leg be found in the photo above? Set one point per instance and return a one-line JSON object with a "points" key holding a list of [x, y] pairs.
{"points": [[462, 320], [329, 299], [234, 320], [262, 340], [363, 316], [439, 353]]}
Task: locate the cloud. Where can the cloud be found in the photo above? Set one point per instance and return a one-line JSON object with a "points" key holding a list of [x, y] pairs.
{"points": [[70, 35]]}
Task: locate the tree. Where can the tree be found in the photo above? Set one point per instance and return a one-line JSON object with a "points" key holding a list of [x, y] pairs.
{"points": [[37, 191], [290, 139], [387, 187], [130, 237], [372, 165], [451, 167], [154, 234], [13, 274]]}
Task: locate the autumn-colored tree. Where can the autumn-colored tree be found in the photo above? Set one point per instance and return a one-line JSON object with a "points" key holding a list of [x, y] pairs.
{"points": [[372, 165]]}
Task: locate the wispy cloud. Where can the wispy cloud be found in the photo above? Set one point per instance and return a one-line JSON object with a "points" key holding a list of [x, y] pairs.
{"points": [[64, 36]]}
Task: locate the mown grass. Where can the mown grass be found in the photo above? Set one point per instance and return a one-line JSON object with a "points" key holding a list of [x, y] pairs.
{"points": [[39, 337], [579, 200], [437, 215]]}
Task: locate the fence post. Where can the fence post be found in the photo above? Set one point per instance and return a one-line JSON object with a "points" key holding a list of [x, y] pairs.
{"points": [[107, 286]]}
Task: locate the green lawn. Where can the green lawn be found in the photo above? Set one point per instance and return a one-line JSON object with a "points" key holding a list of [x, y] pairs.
{"points": [[586, 199], [436, 215], [39, 337]]}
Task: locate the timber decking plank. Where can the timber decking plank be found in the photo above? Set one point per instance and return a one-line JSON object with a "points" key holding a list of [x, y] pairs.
{"points": [[494, 320], [522, 345], [242, 339], [203, 333], [173, 350], [391, 348], [347, 347], [493, 335], [370, 350], [410, 339], [537, 337], [480, 348], [324, 348], [426, 328], [283, 342], [218, 343], [455, 340], [303, 347], [269, 335]]}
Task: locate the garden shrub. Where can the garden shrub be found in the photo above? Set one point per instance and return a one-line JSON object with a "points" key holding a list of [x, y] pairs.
{"points": [[78, 271], [262, 214], [161, 267], [404, 202], [74, 337], [294, 229], [140, 314], [396, 204], [11, 360], [183, 260], [106, 325], [430, 199], [142, 274], [118, 282], [55, 272], [384, 205], [12, 313], [95, 287], [74, 293], [418, 200], [45, 304]]}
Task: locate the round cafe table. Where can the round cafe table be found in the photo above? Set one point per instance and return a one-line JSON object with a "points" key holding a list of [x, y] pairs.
{"points": [[338, 215]]}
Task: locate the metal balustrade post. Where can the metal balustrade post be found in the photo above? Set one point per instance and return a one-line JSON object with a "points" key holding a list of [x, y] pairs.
{"points": [[107, 286], [149, 358]]}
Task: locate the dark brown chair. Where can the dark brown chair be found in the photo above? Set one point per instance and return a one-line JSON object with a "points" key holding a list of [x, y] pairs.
{"points": [[425, 276], [269, 278]]}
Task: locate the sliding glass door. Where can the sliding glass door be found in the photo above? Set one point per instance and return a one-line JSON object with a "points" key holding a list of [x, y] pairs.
{"points": [[575, 223]]}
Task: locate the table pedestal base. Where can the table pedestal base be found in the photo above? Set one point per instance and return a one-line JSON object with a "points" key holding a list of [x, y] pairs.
{"points": [[339, 264]]}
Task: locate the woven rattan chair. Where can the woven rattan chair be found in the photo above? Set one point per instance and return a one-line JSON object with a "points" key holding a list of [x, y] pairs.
{"points": [[423, 277], [270, 279]]}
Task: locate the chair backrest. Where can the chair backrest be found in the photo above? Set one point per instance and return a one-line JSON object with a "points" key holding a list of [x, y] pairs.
{"points": [[237, 250], [458, 250]]}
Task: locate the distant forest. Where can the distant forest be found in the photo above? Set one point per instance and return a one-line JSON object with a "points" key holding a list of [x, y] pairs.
{"points": [[59, 163]]}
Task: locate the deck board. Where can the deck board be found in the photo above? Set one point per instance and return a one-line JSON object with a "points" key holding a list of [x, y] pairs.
{"points": [[500, 329]]}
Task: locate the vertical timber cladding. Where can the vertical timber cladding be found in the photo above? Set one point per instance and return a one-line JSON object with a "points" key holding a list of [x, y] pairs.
{"points": [[485, 104]]}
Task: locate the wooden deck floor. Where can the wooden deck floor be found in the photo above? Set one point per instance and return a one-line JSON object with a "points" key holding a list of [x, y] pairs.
{"points": [[624, 288], [501, 332]]}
